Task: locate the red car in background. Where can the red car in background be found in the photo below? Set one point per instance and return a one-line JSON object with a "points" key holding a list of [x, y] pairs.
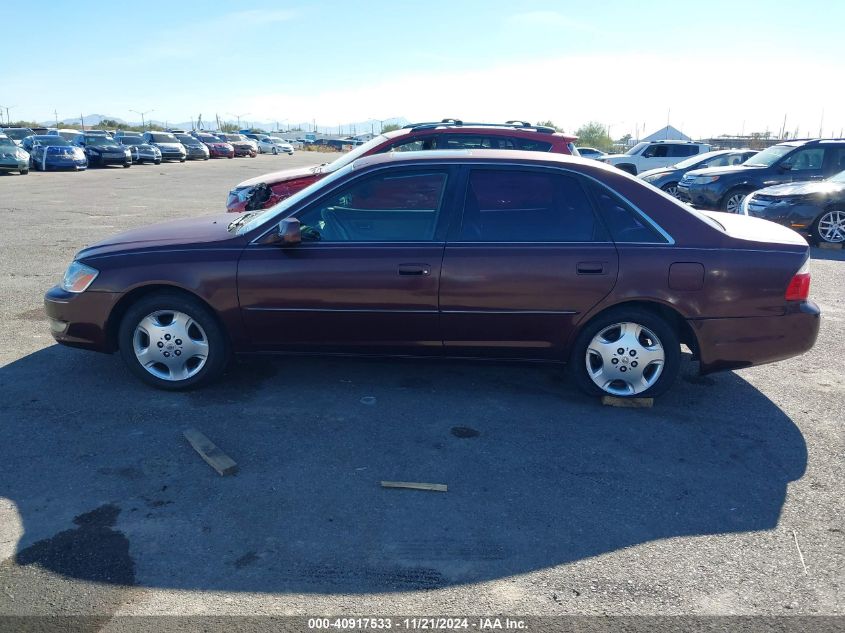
{"points": [[264, 191], [216, 147]]}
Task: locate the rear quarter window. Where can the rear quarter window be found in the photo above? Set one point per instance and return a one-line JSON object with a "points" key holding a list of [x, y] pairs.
{"points": [[624, 223]]}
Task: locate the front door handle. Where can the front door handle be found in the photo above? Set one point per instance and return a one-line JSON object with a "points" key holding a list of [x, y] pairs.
{"points": [[414, 269], [590, 268]]}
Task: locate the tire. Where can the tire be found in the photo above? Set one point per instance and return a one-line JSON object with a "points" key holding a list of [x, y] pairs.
{"points": [[733, 199], [193, 333], [275, 151], [829, 227], [158, 162], [671, 188], [24, 172], [125, 166], [589, 369], [182, 160]]}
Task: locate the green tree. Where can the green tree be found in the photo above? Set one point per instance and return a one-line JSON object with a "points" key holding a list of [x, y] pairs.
{"points": [[594, 134], [390, 127], [550, 123], [229, 127]]}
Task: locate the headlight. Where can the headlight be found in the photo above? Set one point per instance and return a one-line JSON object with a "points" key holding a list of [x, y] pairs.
{"points": [[78, 277], [703, 180], [21, 155]]}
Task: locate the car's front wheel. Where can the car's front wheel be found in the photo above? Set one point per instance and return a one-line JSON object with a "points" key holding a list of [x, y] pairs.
{"points": [[732, 202], [172, 341], [830, 227], [629, 352], [671, 188]]}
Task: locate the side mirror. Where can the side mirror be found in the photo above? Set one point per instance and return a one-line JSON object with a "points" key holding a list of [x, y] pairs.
{"points": [[287, 234], [785, 167]]}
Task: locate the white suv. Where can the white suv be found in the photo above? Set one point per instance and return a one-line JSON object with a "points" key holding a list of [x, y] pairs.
{"points": [[648, 155]]}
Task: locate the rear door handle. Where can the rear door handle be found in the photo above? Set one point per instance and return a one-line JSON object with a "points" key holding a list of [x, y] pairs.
{"points": [[590, 268], [414, 269]]}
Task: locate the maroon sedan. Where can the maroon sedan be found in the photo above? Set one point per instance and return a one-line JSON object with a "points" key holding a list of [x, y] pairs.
{"points": [[217, 148], [497, 254]]}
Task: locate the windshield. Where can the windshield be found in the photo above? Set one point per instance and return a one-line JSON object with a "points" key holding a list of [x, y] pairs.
{"points": [[636, 148], [7, 142], [208, 138], [234, 137], [98, 140], [131, 140], [355, 154], [187, 139], [51, 140], [769, 157], [278, 211], [695, 160], [161, 137], [18, 134]]}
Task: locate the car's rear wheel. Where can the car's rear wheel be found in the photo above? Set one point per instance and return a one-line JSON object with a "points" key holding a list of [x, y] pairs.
{"points": [[24, 172], [629, 352], [172, 341], [671, 188], [275, 151], [732, 202], [830, 226]]}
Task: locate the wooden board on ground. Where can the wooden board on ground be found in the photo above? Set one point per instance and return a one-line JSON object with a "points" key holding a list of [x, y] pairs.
{"points": [[414, 486], [628, 403], [213, 456]]}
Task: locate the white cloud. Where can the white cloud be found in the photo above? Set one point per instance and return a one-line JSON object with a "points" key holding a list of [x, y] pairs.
{"points": [[706, 95]]}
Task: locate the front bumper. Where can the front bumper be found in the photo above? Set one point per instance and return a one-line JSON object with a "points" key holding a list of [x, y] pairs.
{"points": [[14, 166], [172, 155], [71, 163], [103, 160], [245, 151], [799, 217], [197, 154], [700, 196], [81, 319], [734, 343]]}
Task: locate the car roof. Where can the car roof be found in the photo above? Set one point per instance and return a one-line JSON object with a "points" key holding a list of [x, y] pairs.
{"points": [[475, 155]]}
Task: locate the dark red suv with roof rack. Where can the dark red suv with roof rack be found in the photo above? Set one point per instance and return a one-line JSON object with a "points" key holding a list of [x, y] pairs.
{"points": [[264, 191]]}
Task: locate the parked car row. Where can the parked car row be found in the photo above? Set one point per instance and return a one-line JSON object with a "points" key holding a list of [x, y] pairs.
{"points": [[71, 149]]}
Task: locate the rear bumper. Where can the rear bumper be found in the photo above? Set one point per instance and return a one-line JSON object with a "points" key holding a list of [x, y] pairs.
{"points": [[80, 320], [734, 343]]}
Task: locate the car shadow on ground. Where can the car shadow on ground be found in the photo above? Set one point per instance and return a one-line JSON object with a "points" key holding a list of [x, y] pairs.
{"points": [[108, 490], [833, 254]]}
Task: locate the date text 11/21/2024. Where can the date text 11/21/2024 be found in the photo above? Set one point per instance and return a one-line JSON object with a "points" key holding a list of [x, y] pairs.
{"points": [[420, 623]]}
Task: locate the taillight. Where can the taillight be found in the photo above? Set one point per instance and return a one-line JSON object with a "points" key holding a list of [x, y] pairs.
{"points": [[799, 286]]}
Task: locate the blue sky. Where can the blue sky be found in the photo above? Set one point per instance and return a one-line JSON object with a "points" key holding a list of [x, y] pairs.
{"points": [[708, 67]]}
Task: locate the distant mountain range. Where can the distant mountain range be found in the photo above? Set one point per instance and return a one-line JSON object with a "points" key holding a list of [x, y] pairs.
{"points": [[359, 127]]}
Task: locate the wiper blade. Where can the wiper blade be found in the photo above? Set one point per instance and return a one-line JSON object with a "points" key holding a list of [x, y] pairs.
{"points": [[240, 220]]}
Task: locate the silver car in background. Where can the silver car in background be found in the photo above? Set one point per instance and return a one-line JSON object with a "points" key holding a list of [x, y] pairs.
{"points": [[273, 145], [141, 152]]}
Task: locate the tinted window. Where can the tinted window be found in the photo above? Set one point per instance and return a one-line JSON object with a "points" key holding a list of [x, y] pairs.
{"points": [[682, 151], [806, 159], [526, 206], [625, 224], [476, 141], [837, 159], [162, 137], [656, 151], [532, 145], [394, 207], [414, 145]]}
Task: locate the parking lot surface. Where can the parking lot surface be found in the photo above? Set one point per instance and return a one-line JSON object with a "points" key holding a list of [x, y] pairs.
{"points": [[725, 498]]}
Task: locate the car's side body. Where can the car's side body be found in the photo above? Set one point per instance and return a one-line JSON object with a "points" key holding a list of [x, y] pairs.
{"points": [[653, 154], [667, 178], [521, 295]]}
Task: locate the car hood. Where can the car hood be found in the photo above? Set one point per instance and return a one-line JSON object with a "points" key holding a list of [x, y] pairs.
{"points": [[721, 171], [145, 146], [802, 188], [656, 173], [193, 231], [282, 176], [751, 229]]}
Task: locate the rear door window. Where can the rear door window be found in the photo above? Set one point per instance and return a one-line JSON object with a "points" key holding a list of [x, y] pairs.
{"points": [[656, 151], [810, 159], [527, 206]]}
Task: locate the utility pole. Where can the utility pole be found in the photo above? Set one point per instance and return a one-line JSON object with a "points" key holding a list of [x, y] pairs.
{"points": [[238, 117], [144, 113], [56, 114], [82, 120]]}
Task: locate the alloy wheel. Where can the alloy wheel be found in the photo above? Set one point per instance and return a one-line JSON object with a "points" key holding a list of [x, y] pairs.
{"points": [[170, 345], [625, 359], [734, 202], [672, 190], [831, 227]]}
